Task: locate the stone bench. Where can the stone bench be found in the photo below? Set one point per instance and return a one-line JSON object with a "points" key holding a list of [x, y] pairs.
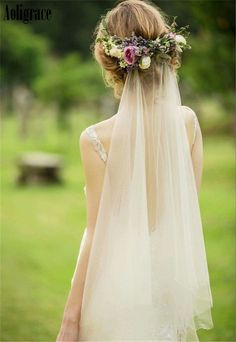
{"points": [[39, 168]]}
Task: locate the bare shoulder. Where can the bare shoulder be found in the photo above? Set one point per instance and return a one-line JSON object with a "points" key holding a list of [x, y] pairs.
{"points": [[104, 130], [189, 115], [105, 126], [190, 119], [84, 141], [99, 126]]}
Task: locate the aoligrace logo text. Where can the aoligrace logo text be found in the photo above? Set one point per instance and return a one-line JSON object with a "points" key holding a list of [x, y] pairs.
{"points": [[25, 15]]}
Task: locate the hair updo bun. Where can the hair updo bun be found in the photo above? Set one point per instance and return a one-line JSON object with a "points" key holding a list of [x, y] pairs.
{"points": [[141, 17]]}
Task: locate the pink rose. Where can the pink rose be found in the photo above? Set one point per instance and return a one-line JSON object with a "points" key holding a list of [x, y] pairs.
{"points": [[129, 54]]}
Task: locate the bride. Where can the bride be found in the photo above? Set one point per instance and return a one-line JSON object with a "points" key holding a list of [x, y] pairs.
{"points": [[142, 272]]}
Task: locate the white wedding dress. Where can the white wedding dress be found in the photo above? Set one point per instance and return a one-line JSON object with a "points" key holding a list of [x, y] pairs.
{"points": [[147, 277]]}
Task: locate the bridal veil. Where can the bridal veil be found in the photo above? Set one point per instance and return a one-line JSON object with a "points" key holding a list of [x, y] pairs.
{"points": [[147, 277]]}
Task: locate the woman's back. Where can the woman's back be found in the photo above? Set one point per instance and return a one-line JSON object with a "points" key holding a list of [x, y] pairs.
{"points": [[95, 143]]}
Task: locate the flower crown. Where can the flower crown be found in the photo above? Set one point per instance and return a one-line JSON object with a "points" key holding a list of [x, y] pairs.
{"points": [[136, 52]]}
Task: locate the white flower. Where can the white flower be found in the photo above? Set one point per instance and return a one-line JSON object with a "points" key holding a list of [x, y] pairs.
{"points": [[122, 64], [145, 62], [115, 52], [180, 39], [178, 48]]}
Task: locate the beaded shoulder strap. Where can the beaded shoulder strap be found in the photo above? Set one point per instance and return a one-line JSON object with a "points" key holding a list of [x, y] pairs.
{"points": [[99, 148]]}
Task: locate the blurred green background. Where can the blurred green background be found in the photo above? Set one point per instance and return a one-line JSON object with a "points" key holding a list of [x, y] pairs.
{"points": [[51, 89]]}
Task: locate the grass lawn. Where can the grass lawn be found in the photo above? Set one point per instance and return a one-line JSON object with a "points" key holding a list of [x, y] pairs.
{"points": [[43, 226]]}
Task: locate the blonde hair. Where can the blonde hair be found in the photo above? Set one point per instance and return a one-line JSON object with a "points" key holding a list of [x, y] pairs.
{"points": [[141, 17]]}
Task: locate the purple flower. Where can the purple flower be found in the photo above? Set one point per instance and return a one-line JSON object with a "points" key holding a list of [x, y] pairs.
{"points": [[145, 50], [129, 54]]}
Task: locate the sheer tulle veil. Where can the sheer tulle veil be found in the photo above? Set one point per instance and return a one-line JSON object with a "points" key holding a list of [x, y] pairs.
{"points": [[147, 276]]}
